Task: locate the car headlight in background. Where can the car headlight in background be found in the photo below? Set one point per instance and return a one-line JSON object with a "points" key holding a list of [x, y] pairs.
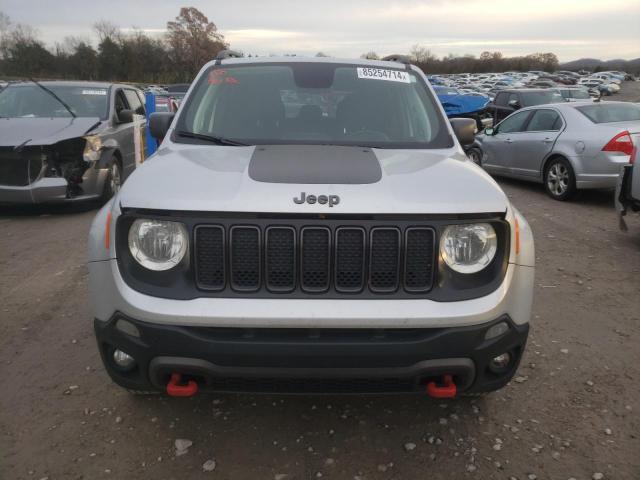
{"points": [[92, 148], [468, 248], [158, 245]]}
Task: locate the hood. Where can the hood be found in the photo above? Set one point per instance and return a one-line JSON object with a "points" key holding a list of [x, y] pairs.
{"points": [[221, 178], [42, 131]]}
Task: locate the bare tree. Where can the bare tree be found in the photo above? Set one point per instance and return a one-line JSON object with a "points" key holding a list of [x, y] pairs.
{"points": [[370, 56], [193, 40]]}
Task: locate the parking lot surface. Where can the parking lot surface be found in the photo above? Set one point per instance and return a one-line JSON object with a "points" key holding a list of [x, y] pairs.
{"points": [[571, 411]]}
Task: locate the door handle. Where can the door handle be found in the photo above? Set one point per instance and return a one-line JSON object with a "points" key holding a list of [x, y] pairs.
{"points": [[547, 140], [508, 140]]}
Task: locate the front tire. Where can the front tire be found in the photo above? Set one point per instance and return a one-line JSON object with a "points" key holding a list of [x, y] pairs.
{"points": [[559, 179], [113, 182], [475, 155]]}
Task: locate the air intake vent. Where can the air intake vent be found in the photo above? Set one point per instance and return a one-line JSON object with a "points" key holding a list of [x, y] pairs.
{"points": [[245, 258], [281, 259], [315, 259], [385, 260]]}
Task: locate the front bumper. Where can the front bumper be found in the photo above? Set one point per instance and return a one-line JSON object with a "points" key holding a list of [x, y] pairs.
{"points": [[43, 190], [55, 190], [309, 360]]}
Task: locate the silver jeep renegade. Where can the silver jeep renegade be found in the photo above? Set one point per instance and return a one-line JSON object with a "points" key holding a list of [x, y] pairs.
{"points": [[311, 225]]}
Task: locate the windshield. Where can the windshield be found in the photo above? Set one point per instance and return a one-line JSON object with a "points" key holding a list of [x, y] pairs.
{"points": [[610, 113], [314, 103], [541, 97], [581, 94], [29, 101]]}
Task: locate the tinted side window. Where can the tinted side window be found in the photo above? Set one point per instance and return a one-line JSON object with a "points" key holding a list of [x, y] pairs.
{"points": [[134, 102], [120, 102], [514, 123], [544, 121], [501, 99]]}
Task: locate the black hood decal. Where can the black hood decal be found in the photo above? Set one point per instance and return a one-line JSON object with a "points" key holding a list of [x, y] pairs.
{"points": [[314, 164]]}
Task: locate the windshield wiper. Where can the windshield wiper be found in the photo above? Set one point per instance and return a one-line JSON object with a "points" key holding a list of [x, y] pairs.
{"points": [[50, 92], [211, 138]]}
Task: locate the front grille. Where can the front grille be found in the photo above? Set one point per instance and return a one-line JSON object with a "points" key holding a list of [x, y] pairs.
{"points": [[19, 169], [332, 259]]}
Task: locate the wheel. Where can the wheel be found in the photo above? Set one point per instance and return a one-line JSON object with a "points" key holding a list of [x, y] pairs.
{"points": [[113, 182], [475, 155], [559, 179]]}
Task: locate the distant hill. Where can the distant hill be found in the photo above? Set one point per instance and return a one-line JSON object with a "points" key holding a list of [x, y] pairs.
{"points": [[593, 64]]}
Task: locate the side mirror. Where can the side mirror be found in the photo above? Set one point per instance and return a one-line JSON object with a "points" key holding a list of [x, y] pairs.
{"points": [[515, 104], [489, 131], [159, 123], [125, 116], [464, 129]]}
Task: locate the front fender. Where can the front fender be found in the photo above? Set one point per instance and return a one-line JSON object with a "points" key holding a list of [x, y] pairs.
{"points": [[98, 248]]}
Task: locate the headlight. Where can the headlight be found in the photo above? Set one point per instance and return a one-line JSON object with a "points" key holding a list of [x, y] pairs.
{"points": [[468, 248], [158, 245], [92, 148]]}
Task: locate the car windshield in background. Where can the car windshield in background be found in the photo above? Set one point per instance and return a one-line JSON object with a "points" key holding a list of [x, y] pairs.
{"points": [[30, 101], [311, 103], [541, 97], [610, 113], [577, 93]]}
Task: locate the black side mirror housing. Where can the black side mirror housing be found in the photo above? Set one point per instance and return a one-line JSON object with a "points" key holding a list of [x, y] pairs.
{"points": [[464, 129], [125, 116], [159, 123], [489, 131], [515, 104]]}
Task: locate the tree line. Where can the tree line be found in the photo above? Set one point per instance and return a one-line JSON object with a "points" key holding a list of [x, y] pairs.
{"points": [[485, 63], [190, 41]]}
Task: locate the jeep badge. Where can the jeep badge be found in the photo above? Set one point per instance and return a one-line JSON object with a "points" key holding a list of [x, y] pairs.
{"points": [[321, 199]]}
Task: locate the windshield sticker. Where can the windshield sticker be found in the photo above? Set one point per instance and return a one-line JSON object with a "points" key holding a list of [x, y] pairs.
{"points": [[217, 77], [94, 92], [383, 74]]}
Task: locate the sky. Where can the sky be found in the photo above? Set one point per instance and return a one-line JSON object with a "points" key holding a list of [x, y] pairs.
{"points": [[348, 28]]}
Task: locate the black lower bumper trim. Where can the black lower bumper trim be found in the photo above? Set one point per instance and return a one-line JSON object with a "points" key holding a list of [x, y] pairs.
{"points": [[310, 360]]}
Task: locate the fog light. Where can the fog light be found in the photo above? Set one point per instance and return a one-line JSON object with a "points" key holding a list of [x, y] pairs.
{"points": [[496, 330], [500, 362], [123, 360]]}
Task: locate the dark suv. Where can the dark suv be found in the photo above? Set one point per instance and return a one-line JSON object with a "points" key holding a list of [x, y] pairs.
{"points": [[509, 100]]}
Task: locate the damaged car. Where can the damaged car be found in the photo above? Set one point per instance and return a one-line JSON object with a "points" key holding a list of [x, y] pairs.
{"points": [[64, 141]]}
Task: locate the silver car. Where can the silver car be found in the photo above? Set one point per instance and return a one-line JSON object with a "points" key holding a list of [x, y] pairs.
{"points": [[65, 142], [311, 224], [566, 146]]}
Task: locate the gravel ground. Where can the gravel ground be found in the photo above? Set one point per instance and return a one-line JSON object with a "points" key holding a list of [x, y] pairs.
{"points": [[571, 412]]}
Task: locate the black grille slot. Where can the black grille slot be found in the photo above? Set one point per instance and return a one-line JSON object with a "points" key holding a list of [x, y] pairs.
{"points": [[209, 243], [19, 169], [350, 258], [245, 258], [384, 260], [418, 263], [281, 259], [315, 259]]}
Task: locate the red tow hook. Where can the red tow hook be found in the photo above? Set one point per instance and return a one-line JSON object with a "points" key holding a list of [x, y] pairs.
{"points": [[446, 390], [175, 389]]}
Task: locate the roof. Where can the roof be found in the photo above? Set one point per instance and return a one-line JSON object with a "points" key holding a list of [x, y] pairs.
{"points": [[72, 83], [344, 61]]}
